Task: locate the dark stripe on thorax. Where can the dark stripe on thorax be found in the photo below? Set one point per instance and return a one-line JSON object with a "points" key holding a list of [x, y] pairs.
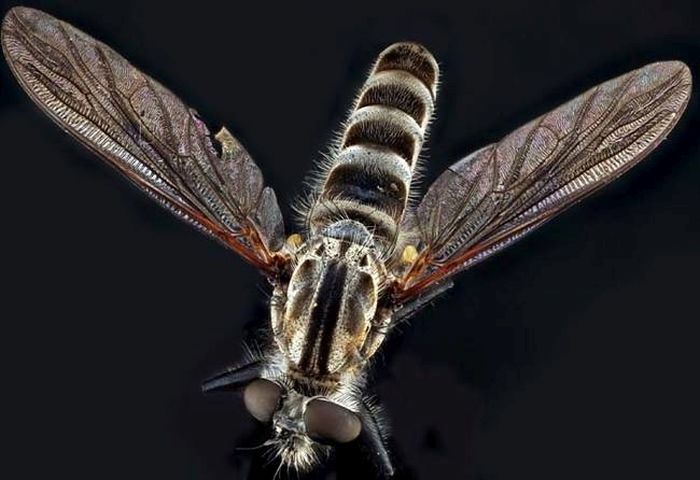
{"points": [[324, 318]]}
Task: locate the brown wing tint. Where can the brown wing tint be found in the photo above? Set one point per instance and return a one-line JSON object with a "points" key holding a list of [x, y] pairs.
{"points": [[496, 195], [144, 131]]}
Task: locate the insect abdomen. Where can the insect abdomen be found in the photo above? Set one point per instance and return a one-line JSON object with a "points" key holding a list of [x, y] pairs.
{"points": [[370, 177]]}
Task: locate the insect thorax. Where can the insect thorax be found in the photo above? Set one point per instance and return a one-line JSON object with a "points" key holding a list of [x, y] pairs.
{"points": [[323, 320]]}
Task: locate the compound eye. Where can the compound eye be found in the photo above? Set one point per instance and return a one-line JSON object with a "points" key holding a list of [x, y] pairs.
{"points": [[328, 422], [262, 399]]}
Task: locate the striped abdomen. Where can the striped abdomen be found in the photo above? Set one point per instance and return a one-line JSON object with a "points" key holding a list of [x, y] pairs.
{"points": [[370, 178]]}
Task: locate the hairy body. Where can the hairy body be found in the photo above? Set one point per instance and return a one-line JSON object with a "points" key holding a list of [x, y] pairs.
{"points": [[366, 256]]}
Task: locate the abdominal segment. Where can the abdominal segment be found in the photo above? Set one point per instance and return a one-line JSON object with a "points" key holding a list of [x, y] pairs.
{"points": [[370, 177]]}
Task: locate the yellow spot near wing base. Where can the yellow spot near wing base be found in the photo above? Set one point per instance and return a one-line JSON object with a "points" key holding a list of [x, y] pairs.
{"points": [[409, 255], [294, 240]]}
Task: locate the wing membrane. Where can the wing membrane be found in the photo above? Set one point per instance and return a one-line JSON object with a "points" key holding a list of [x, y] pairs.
{"points": [[496, 195], [145, 132]]}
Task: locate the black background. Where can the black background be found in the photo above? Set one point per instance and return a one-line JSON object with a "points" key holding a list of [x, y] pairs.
{"points": [[573, 355]]}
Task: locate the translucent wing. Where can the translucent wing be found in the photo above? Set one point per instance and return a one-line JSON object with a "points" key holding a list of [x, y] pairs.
{"points": [[145, 132], [496, 195]]}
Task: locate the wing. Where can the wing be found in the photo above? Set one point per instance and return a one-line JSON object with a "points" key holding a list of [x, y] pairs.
{"points": [[496, 195], [146, 133]]}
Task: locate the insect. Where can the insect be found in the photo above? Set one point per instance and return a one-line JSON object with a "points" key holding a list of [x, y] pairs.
{"points": [[369, 252]]}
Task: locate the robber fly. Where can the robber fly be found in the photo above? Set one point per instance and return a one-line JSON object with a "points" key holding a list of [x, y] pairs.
{"points": [[368, 252]]}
